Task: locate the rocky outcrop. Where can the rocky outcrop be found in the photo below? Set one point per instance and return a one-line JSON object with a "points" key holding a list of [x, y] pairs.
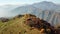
{"points": [[40, 24], [4, 19]]}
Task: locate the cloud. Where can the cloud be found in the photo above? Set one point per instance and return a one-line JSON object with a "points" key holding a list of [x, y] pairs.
{"points": [[3, 13]]}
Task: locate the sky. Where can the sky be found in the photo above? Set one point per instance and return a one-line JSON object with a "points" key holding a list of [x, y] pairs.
{"points": [[21, 2]]}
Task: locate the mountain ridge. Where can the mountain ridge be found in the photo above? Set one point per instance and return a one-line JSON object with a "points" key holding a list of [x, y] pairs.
{"points": [[44, 10]]}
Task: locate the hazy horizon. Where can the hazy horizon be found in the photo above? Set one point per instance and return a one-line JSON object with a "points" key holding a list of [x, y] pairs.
{"points": [[7, 6], [23, 2]]}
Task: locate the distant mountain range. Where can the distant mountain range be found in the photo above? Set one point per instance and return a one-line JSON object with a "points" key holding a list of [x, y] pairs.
{"points": [[45, 10], [36, 7], [43, 6], [8, 9]]}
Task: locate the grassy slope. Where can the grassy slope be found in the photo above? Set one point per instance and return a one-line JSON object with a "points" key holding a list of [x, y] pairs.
{"points": [[17, 26]]}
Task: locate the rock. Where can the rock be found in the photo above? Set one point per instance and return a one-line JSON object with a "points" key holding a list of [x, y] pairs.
{"points": [[4, 19], [39, 24]]}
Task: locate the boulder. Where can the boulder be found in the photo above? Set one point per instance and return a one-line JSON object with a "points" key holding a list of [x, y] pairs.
{"points": [[4, 19]]}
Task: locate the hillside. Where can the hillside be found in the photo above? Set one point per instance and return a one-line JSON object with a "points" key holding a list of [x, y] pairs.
{"points": [[20, 25], [16, 26], [48, 11]]}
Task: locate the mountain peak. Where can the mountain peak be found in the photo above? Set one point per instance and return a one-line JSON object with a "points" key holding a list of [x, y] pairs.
{"points": [[45, 5], [46, 2]]}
